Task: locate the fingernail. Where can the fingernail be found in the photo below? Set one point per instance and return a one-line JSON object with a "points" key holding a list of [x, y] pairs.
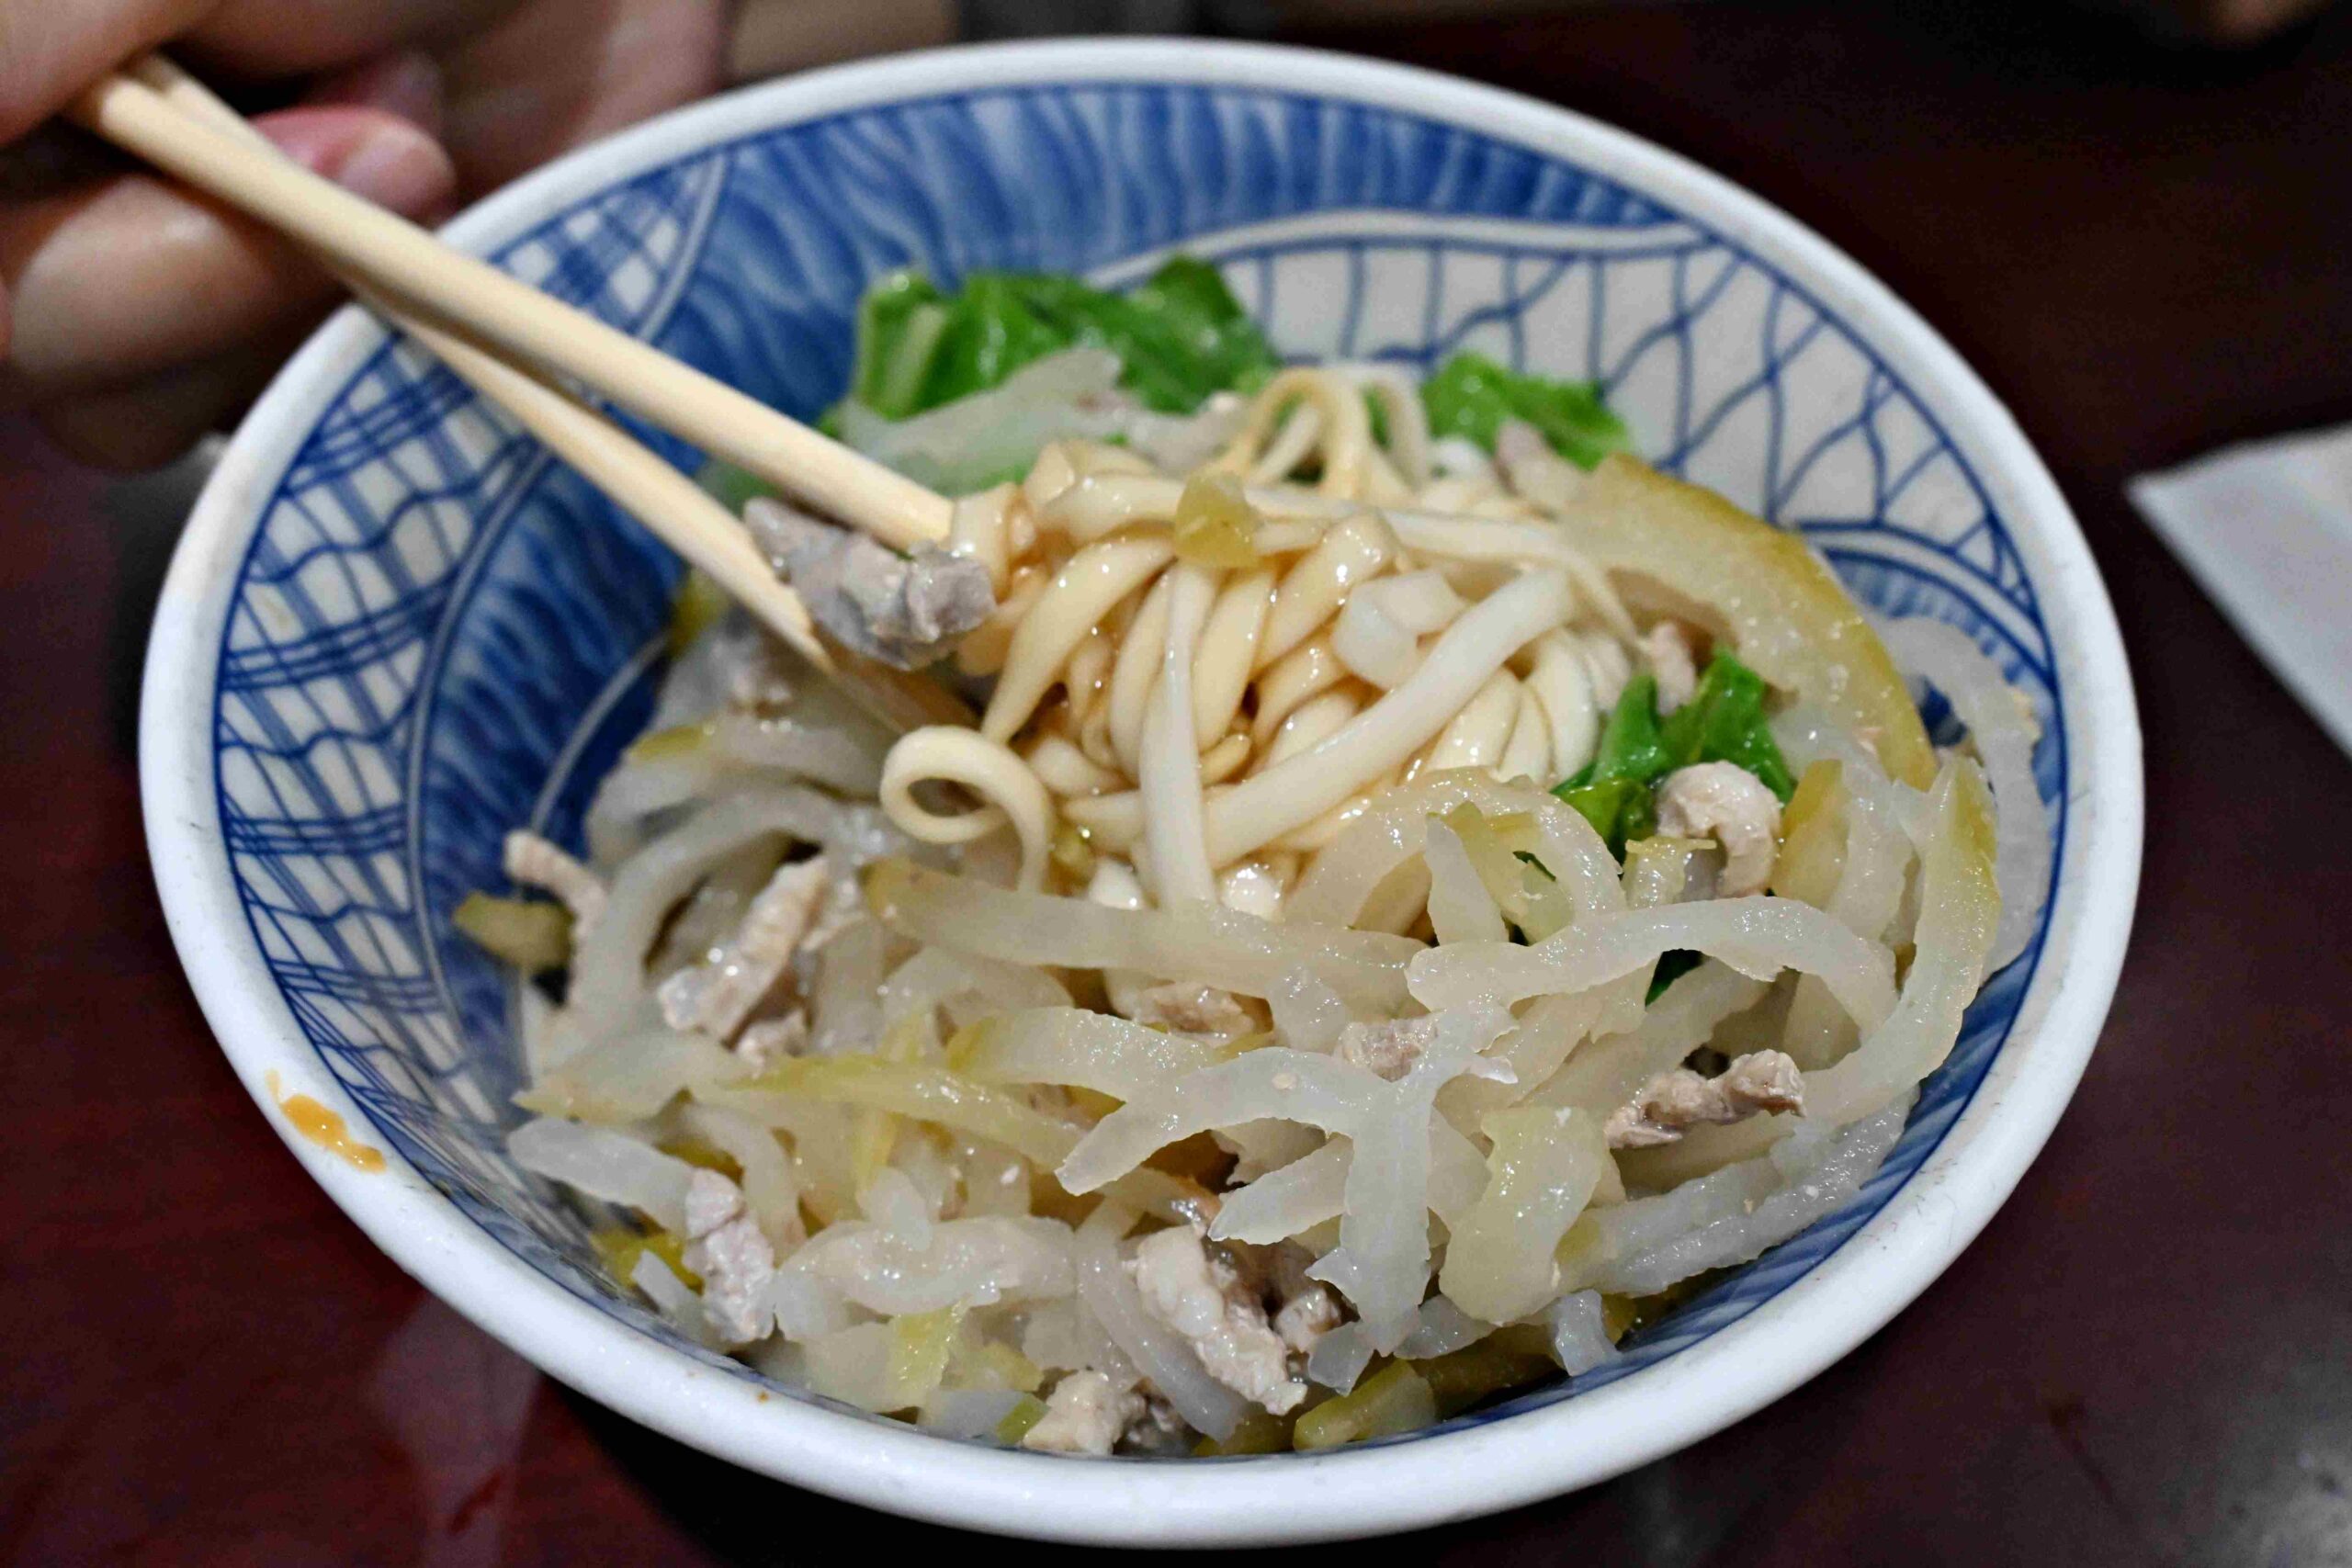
{"points": [[369, 153], [398, 166]]}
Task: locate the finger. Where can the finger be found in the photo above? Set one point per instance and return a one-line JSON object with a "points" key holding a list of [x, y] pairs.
{"points": [[285, 38], [406, 82], [56, 158], [374, 152], [50, 50], [558, 73], [151, 421], [137, 277]]}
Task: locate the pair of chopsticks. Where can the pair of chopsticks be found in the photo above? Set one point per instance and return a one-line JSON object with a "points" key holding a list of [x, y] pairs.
{"points": [[469, 315]]}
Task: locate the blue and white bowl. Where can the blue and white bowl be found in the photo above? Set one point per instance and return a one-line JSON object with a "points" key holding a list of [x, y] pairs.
{"points": [[395, 628]]}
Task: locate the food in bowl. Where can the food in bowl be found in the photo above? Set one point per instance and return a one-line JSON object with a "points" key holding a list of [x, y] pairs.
{"points": [[1414, 891]]}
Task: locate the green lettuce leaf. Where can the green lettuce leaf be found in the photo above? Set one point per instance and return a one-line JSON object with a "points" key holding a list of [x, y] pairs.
{"points": [[1723, 722], [1180, 336], [1470, 396]]}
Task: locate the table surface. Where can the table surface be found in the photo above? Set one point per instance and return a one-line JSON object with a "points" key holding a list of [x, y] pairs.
{"points": [[2147, 1357]]}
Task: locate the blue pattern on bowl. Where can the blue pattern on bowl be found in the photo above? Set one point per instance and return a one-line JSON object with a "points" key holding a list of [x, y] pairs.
{"points": [[438, 634]]}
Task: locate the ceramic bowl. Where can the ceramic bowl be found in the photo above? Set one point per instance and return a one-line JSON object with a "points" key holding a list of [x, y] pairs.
{"points": [[395, 629]]}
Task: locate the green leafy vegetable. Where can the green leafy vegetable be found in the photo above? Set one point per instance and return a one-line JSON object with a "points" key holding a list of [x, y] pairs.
{"points": [[1180, 336], [992, 332], [1472, 396], [1723, 722], [900, 323], [1632, 745], [1619, 809], [1671, 966], [1191, 337]]}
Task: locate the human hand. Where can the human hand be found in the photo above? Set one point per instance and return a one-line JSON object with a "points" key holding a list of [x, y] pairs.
{"points": [[135, 317]]}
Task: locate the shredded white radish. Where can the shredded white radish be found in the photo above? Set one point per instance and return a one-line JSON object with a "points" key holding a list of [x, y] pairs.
{"points": [[1308, 1014], [1382, 1262], [1801, 1179], [1605, 1073], [1545, 1165], [1215, 945], [1339, 1358], [1235, 1002], [962, 982], [1091, 1050], [1443, 1329], [1461, 909], [1996, 719], [1579, 1333], [1957, 909], [679, 1306], [1757, 936], [1393, 832], [1312, 1190], [769, 1187], [975, 1262], [610, 965], [978, 439], [607, 1165], [1155, 1350], [631, 1074]]}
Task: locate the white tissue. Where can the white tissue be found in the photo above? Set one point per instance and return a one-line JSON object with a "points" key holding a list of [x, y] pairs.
{"points": [[2266, 528]]}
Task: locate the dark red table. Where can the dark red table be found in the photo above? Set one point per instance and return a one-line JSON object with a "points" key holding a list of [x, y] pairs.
{"points": [[2147, 1358]]}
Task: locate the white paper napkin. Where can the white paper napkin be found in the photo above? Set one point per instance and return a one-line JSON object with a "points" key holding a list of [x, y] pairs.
{"points": [[2266, 529]]}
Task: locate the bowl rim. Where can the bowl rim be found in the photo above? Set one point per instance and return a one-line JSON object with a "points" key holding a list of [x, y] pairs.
{"points": [[1346, 1492]]}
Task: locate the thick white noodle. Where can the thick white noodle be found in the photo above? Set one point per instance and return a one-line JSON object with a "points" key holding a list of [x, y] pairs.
{"points": [[1137, 670], [1309, 725], [992, 771], [1402, 410], [1169, 779], [1265, 807], [1343, 426], [1563, 688], [1989, 706], [1307, 671], [1227, 652], [1081, 593], [1475, 736], [1355, 549]]}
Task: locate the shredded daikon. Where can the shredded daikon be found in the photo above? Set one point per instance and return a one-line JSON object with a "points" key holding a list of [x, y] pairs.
{"points": [[1237, 1004], [2004, 737]]}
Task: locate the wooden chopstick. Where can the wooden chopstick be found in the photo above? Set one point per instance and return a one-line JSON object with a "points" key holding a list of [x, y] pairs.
{"points": [[673, 507], [407, 264]]}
